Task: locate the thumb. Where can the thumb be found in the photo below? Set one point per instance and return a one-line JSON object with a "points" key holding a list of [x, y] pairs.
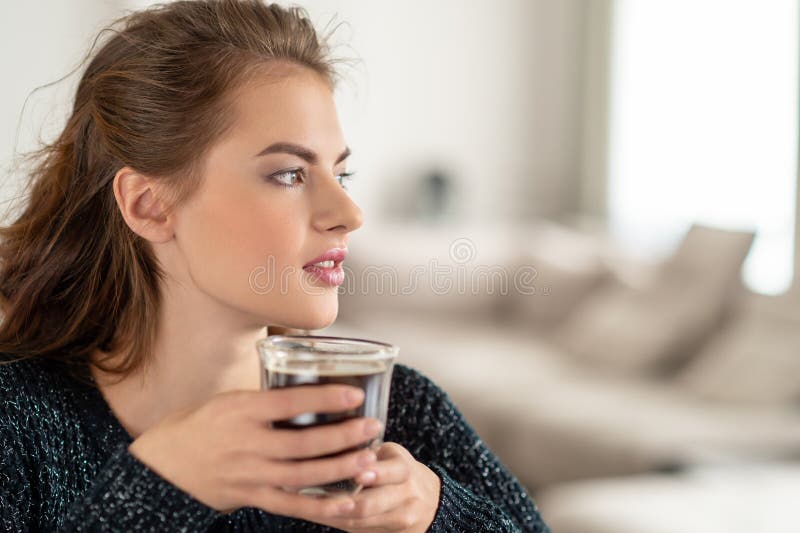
{"points": [[392, 449]]}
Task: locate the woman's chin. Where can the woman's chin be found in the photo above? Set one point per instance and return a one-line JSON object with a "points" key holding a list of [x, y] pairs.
{"points": [[314, 319]]}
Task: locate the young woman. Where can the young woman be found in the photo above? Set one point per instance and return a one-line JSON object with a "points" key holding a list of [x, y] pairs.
{"points": [[204, 145]]}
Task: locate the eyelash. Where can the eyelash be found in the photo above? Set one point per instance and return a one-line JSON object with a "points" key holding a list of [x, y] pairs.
{"points": [[342, 177]]}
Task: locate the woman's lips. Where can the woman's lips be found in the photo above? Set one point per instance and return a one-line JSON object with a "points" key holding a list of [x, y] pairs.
{"points": [[333, 276], [336, 255]]}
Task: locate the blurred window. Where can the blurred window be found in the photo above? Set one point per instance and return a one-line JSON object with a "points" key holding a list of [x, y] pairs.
{"points": [[704, 126]]}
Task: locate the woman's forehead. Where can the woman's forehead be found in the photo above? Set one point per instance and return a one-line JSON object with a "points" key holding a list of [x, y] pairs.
{"points": [[293, 106]]}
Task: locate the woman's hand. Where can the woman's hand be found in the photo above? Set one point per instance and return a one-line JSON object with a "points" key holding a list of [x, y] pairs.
{"points": [[402, 495], [226, 455]]}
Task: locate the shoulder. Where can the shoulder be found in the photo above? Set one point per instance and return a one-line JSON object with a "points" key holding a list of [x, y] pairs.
{"points": [[19, 378], [421, 417], [15, 374], [28, 385], [409, 379], [411, 389], [16, 377], [33, 374], [29, 373]]}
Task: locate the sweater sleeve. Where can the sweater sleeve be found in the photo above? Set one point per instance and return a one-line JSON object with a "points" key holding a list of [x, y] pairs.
{"points": [[127, 495], [124, 494], [477, 492]]}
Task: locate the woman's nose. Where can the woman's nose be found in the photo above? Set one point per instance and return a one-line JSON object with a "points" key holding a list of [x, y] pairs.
{"points": [[334, 209]]}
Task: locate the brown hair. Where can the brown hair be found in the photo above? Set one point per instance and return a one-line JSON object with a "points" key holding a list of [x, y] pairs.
{"points": [[73, 276]]}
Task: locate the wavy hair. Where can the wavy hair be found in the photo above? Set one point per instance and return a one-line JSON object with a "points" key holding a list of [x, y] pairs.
{"points": [[74, 277]]}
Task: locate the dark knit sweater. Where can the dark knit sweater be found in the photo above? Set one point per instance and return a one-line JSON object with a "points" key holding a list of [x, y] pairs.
{"points": [[65, 465]]}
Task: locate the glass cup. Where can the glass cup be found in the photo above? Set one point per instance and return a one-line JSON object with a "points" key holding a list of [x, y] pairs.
{"points": [[292, 360]]}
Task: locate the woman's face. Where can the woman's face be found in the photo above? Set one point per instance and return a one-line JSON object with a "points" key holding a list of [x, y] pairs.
{"points": [[272, 201]]}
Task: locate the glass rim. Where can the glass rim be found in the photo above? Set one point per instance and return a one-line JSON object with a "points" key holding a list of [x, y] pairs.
{"points": [[381, 349]]}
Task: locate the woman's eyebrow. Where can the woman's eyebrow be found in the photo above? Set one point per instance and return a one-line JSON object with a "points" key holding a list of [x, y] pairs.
{"points": [[300, 151]]}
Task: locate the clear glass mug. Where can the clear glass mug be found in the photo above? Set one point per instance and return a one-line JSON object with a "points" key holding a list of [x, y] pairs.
{"points": [[292, 360]]}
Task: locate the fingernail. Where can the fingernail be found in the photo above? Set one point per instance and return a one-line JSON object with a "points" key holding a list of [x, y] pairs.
{"points": [[346, 507], [368, 476], [372, 427], [354, 396], [367, 459]]}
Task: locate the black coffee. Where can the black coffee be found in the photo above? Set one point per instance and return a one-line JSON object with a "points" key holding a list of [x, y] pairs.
{"points": [[370, 376]]}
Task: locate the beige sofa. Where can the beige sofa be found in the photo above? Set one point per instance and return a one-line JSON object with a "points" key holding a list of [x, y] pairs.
{"points": [[557, 403], [732, 497]]}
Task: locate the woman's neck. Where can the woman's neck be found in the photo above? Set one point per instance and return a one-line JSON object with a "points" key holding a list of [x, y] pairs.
{"points": [[202, 348]]}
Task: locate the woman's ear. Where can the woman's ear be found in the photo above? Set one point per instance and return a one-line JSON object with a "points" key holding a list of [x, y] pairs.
{"points": [[143, 211]]}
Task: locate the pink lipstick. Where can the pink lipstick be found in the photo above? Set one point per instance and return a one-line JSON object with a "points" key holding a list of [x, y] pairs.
{"points": [[327, 267]]}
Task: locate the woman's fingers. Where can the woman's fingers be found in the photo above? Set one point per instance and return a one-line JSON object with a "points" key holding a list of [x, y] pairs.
{"points": [[320, 440], [384, 472], [398, 515], [392, 449], [319, 471], [281, 404], [277, 501], [378, 500], [405, 498]]}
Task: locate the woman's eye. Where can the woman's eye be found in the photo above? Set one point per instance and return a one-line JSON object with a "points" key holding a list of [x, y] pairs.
{"points": [[287, 178], [344, 178], [290, 178]]}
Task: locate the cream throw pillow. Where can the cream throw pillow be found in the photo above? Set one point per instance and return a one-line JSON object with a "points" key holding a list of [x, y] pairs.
{"points": [[655, 330], [756, 360]]}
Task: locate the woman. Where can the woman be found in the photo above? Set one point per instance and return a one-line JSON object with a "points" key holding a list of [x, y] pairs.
{"points": [[203, 146]]}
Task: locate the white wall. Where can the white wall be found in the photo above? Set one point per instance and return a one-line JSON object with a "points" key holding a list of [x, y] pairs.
{"points": [[40, 42], [593, 178], [488, 91]]}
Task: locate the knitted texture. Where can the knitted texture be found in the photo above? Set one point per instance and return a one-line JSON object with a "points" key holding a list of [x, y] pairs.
{"points": [[65, 465]]}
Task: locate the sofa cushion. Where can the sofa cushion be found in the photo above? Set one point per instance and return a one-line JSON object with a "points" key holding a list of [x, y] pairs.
{"points": [[434, 270], [658, 327], [618, 329], [551, 281], [755, 360], [736, 498], [550, 420]]}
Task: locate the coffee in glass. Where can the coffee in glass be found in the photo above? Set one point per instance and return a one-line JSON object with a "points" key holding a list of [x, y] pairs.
{"points": [[293, 360]]}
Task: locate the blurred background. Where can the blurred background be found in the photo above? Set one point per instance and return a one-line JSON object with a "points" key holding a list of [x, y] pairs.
{"points": [[580, 221]]}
